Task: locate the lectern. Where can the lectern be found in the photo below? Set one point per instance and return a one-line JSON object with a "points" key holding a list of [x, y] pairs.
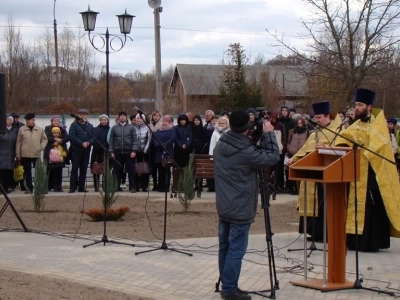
{"points": [[334, 167]]}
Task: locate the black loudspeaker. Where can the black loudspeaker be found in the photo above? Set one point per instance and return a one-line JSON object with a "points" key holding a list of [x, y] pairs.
{"points": [[3, 112]]}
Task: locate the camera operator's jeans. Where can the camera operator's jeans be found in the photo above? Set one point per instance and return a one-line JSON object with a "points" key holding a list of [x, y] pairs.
{"points": [[233, 241]]}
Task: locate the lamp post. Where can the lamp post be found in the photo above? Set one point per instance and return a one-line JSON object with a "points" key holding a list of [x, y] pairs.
{"points": [[125, 25]]}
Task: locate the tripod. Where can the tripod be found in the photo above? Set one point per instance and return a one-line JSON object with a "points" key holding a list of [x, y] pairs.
{"points": [[9, 203], [312, 247], [108, 173], [265, 200], [169, 161]]}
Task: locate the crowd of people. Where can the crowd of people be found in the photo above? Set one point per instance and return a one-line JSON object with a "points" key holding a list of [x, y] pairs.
{"points": [[130, 141]]}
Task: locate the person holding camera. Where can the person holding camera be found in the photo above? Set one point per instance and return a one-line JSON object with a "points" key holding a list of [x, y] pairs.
{"points": [[237, 163]]}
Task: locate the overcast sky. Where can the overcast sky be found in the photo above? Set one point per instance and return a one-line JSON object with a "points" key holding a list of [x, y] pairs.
{"points": [[195, 32]]}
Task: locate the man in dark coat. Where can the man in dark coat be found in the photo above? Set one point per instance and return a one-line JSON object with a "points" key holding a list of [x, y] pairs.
{"points": [[122, 147], [81, 138], [236, 164]]}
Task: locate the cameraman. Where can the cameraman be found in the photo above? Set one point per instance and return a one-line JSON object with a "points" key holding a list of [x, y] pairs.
{"points": [[237, 163], [255, 127]]}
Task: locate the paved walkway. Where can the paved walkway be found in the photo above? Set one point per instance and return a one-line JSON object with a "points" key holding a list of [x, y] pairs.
{"points": [[170, 275]]}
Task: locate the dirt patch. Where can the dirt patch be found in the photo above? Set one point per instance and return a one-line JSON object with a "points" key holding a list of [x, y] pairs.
{"points": [[16, 285], [144, 221]]}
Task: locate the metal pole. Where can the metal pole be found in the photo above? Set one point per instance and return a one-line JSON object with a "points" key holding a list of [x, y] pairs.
{"points": [[305, 231], [56, 56], [324, 236], [107, 73], [157, 26]]}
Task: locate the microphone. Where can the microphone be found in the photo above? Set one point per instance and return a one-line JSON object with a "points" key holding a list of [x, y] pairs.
{"points": [[76, 117], [344, 121], [312, 122], [141, 112]]}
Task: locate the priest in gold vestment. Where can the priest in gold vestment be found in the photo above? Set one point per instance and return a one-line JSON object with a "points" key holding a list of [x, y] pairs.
{"points": [[378, 204], [315, 192]]}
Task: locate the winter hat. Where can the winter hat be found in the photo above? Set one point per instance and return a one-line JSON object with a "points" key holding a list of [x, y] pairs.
{"points": [[224, 113], [29, 116], [239, 121], [365, 96], [10, 117], [83, 111], [104, 116], [55, 117], [251, 111], [321, 108], [167, 118], [54, 129], [392, 120]]}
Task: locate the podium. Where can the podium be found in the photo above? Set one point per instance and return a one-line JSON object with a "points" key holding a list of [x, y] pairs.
{"points": [[334, 167]]}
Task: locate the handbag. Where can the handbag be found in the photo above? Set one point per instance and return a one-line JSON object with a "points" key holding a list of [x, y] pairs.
{"points": [[18, 172], [166, 160], [97, 168], [142, 168]]}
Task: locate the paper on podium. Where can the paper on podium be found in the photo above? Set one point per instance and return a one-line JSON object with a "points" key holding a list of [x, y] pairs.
{"points": [[331, 151]]}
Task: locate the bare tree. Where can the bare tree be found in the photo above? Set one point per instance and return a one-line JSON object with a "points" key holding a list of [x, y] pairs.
{"points": [[349, 41]]}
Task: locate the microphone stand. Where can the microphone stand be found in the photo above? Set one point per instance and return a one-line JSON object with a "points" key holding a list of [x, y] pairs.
{"points": [[358, 282], [105, 240], [9, 203], [164, 245]]}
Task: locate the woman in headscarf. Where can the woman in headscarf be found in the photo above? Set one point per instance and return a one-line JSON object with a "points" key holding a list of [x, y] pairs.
{"points": [[166, 137], [8, 141], [221, 127], [142, 154], [56, 155], [155, 124], [62, 139], [98, 153]]}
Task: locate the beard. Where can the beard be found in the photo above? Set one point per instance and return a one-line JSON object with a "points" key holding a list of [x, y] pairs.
{"points": [[362, 115]]}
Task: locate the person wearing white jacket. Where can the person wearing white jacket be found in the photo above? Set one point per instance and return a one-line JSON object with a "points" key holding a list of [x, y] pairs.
{"points": [[221, 127]]}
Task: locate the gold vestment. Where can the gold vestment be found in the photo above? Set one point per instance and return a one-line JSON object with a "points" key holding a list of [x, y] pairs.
{"points": [[325, 138], [373, 135]]}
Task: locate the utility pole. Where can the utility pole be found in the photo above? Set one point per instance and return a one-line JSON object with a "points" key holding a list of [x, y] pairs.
{"points": [[56, 56], [157, 36]]}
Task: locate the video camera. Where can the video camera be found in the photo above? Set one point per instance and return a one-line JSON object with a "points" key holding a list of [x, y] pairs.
{"points": [[262, 114]]}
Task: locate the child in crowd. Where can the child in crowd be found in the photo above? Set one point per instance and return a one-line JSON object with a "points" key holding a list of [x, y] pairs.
{"points": [[57, 154]]}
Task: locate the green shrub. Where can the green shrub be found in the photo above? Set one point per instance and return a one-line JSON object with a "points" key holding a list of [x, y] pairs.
{"points": [[186, 185], [40, 183]]}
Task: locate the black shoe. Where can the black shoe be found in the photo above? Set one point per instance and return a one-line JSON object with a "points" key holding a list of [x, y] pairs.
{"points": [[71, 191], [133, 191], [236, 295], [83, 190]]}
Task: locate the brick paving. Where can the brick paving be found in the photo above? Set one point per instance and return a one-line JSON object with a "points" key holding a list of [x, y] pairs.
{"points": [[170, 275]]}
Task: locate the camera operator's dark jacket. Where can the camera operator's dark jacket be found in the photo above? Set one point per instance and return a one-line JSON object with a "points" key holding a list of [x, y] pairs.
{"points": [[236, 164]]}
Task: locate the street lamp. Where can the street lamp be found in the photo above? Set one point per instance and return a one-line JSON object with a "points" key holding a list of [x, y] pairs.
{"points": [[125, 25]]}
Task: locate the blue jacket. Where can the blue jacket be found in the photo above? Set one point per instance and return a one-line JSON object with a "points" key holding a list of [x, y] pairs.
{"points": [[79, 134], [167, 138], [236, 166]]}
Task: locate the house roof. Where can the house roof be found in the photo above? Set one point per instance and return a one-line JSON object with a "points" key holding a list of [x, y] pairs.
{"points": [[206, 79]]}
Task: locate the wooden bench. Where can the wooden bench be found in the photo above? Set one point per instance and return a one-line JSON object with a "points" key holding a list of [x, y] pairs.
{"points": [[203, 167]]}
